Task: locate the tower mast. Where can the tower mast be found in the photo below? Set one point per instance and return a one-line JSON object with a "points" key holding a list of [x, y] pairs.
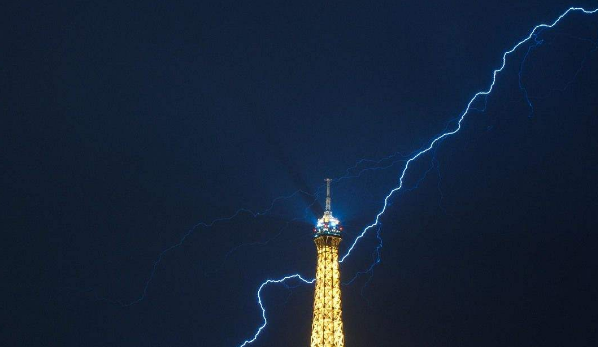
{"points": [[328, 180]]}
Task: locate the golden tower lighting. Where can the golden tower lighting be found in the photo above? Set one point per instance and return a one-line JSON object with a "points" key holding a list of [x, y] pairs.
{"points": [[327, 325]]}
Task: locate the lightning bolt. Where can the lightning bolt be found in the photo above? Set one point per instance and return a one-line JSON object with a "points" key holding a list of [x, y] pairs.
{"points": [[366, 165], [189, 232], [461, 118], [266, 242], [259, 300], [376, 256], [436, 140], [539, 42]]}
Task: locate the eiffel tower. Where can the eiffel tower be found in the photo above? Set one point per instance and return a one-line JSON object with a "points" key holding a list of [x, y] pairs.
{"points": [[327, 325]]}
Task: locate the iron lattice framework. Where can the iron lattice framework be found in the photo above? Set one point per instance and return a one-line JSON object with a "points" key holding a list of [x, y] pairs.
{"points": [[327, 326]]}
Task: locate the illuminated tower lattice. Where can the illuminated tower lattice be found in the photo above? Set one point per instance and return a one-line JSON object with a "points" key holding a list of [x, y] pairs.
{"points": [[327, 326]]}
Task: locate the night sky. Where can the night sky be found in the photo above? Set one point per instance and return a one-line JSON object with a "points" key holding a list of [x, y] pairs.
{"points": [[125, 125]]}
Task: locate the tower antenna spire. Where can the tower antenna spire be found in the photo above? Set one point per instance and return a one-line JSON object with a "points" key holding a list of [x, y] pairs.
{"points": [[328, 180]]}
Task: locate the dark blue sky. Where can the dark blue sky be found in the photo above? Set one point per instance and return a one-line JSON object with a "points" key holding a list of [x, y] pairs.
{"points": [[127, 124]]}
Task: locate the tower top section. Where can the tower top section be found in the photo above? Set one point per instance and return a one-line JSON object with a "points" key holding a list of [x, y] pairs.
{"points": [[328, 225]]}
